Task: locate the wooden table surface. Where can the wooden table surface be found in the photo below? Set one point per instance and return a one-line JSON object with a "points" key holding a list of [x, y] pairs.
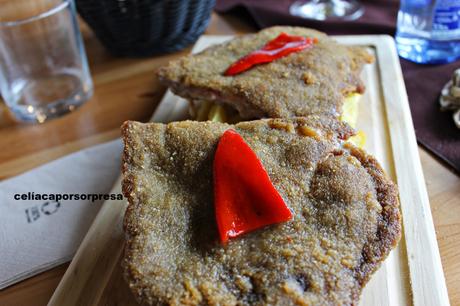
{"points": [[127, 89]]}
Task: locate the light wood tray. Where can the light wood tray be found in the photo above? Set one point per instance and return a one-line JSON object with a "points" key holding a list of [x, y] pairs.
{"points": [[411, 275]]}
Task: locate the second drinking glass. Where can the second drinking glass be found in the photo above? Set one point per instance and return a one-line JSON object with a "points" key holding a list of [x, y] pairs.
{"points": [[43, 67]]}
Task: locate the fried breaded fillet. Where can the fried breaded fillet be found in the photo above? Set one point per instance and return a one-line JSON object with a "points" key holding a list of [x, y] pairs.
{"points": [[312, 81], [345, 216]]}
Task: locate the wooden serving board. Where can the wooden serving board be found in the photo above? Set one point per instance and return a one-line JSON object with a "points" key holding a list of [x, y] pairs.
{"points": [[411, 275]]}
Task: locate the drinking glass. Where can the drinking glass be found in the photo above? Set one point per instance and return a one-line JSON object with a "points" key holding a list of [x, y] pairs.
{"points": [[43, 67], [327, 9]]}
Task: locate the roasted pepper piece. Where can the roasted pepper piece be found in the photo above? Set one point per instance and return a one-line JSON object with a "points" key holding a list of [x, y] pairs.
{"points": [[282, 45], [244, 197]]}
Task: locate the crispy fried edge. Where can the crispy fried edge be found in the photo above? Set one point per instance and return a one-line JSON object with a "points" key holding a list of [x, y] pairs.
{"points": [[138, 287], [389, 227]]}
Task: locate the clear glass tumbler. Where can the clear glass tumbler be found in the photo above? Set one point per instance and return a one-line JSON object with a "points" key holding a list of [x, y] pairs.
{"points": [[43, 67]]}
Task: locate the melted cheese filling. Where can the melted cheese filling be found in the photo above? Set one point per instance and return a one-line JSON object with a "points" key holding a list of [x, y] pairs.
{"points": [[350, 113], [209, 111]]}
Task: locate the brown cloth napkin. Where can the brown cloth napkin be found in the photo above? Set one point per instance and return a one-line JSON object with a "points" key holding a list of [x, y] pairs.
{"points": [[435, 130]]}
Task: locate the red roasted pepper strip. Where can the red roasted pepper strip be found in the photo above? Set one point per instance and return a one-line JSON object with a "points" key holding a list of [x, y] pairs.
{"points": [[281, 46], [244, 197]]}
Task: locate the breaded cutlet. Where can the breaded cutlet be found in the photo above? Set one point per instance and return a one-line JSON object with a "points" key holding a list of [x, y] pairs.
{"points": [[345, 221], [313, 81]]}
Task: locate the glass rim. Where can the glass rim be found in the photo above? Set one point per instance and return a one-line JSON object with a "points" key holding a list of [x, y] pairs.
{"points": [[53, 10]]}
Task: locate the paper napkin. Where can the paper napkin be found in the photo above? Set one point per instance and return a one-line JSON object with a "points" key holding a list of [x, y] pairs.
{"points": [[45, 213]]}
